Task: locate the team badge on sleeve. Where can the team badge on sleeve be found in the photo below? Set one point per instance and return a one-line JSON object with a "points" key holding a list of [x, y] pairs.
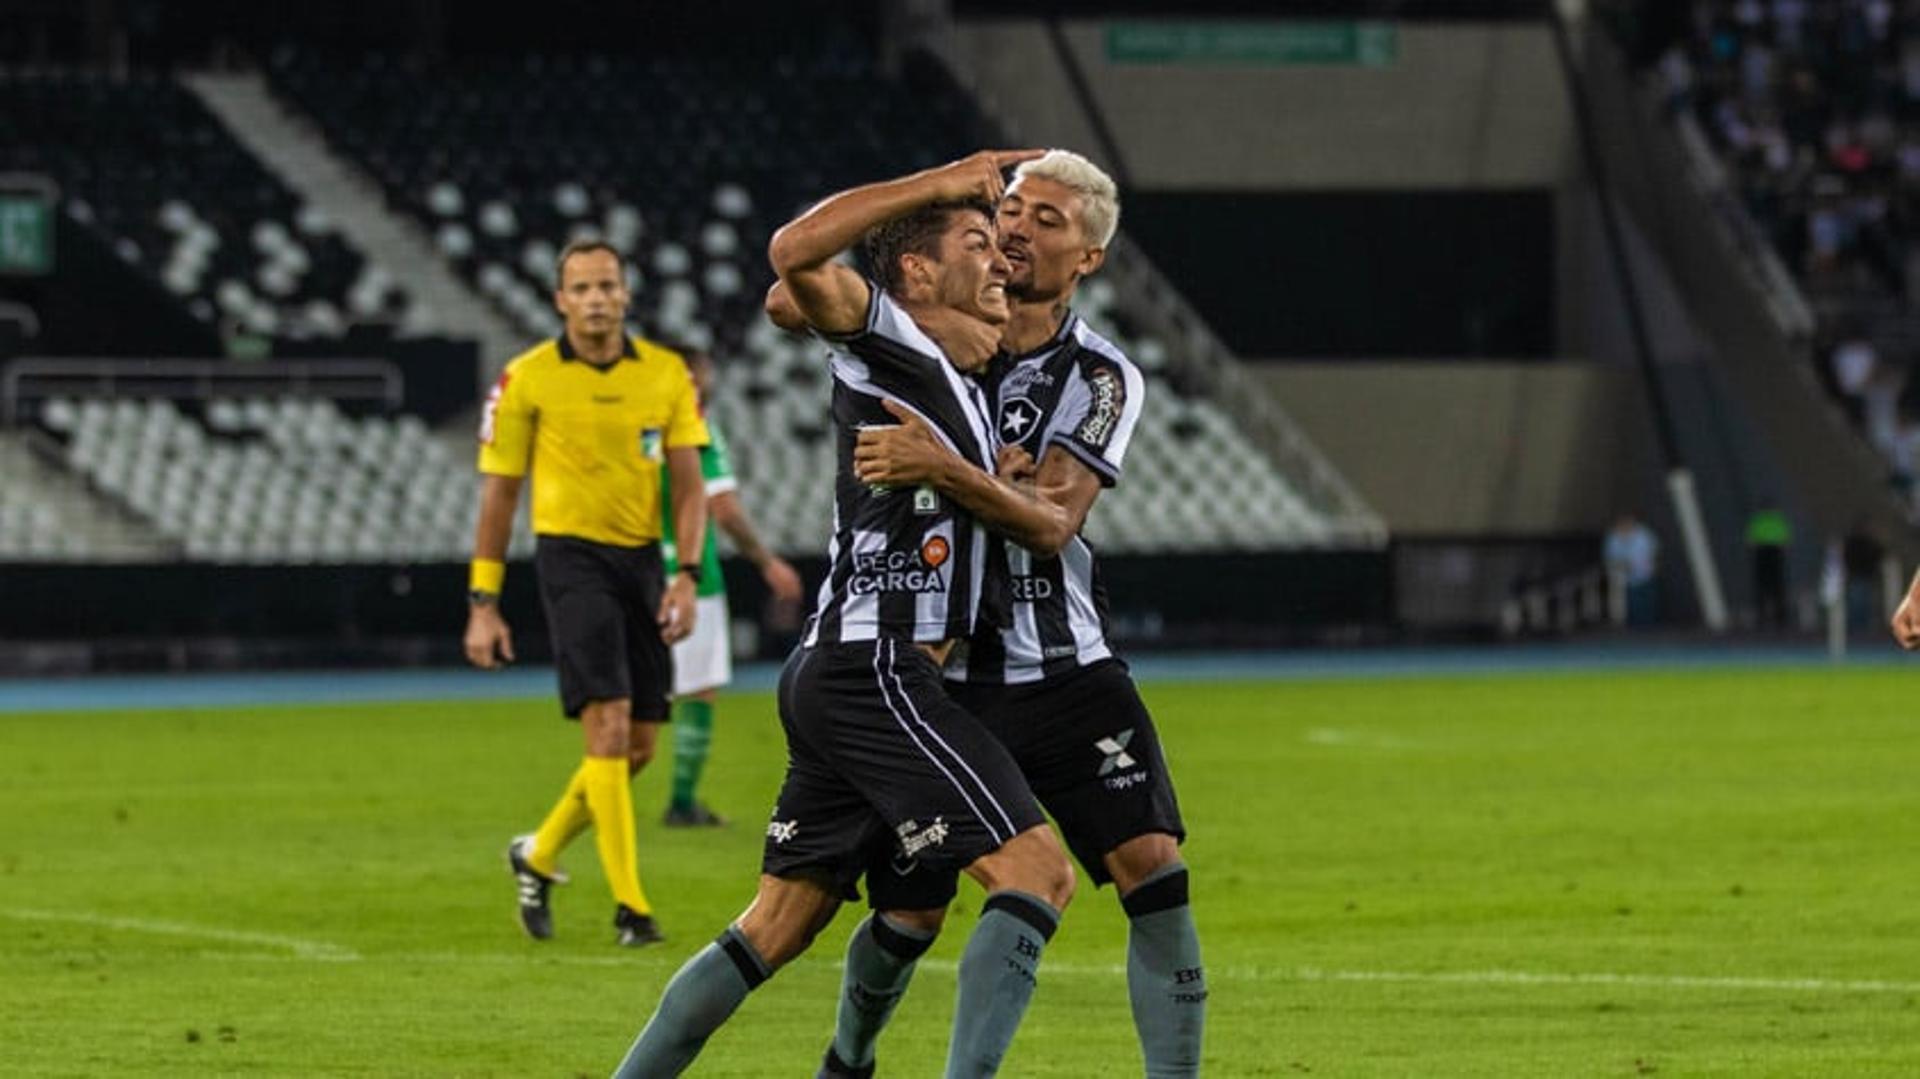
{"points": [[1103, 412], [489, 412]]}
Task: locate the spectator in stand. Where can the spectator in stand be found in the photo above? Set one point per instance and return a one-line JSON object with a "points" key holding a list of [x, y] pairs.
{"points": [[1632, 555]]}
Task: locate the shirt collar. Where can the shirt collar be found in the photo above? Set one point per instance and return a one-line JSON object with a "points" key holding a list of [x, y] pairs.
{"points": [[628, 351]]}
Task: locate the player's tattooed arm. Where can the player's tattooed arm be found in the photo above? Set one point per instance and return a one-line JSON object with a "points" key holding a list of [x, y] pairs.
{"points": [[1039, 509]]}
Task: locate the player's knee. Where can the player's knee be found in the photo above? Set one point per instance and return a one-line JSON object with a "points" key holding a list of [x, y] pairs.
{"points": [[1033, 862], [1139, 858], [607, 727], [927, 922], [1060, 883], [785, 917]]}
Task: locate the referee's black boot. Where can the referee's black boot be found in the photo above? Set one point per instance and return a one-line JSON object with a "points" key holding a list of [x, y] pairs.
{"points": [[536, 913], [636, 929]]}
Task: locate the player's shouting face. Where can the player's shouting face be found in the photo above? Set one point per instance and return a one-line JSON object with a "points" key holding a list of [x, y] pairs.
{"points": [[1042, 235], [971, 276]]}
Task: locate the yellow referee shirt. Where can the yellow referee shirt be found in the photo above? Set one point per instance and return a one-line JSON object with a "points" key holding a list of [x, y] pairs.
{"points": [[593, 437]]}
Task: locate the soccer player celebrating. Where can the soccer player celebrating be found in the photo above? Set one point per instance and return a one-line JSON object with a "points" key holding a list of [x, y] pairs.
{"points": [[1050, 687], [593, 415], [878, 756], [703, 662]]}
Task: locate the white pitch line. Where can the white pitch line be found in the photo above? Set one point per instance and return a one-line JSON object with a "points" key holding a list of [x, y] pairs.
{"points": [[1234, 973], [1651, 981], [315, 950], [1330, 736]]}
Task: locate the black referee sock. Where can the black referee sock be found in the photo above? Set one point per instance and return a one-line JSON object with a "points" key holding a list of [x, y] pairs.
{"points": [[700, 997], [997, 977], [1165, 980], [881, 956]]}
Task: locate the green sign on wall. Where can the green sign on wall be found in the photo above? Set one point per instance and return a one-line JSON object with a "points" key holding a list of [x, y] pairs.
{"points": [[26, 234], [1268, 44]]}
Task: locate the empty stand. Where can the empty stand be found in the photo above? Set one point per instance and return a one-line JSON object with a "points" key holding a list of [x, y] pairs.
{"points": [[142, 162]]}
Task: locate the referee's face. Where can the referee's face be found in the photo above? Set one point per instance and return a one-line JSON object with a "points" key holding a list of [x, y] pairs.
{"points": [[592, 297]]}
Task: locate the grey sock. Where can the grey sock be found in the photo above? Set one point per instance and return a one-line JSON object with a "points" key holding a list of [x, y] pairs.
{"points": [[880, 959], [1165, 980], [698, 999], [997, 978]]}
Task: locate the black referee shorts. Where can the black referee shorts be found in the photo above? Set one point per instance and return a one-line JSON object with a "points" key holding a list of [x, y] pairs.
{"points": [[1089, 750], [603, 606], [882, 765]]}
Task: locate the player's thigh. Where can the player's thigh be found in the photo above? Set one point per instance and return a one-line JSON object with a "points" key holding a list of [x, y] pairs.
{"points": [[878, 713], [821, 829], [1092, 753]]}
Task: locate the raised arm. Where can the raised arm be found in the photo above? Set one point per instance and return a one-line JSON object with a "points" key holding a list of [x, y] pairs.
{"points": [[832, 297]]}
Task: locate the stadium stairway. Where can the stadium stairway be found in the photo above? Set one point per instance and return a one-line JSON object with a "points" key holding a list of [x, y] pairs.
{"points": [[48, 514], [301, 158]]}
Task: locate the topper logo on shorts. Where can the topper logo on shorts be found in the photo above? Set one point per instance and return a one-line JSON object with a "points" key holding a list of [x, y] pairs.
{"points": [[1114, 749], [1109, 400], [918, 571], [490, 410], [914, 839], [782, 830]]}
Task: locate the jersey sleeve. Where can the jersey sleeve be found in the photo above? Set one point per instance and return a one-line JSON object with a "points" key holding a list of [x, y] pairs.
{"points": [[901, 342], [1098, 409], [506, 425], [716, 467], [685, 427]]}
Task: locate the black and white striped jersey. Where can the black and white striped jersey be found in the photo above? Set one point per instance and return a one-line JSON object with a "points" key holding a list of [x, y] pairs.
{"points": [[1081, 393], [903, 562]]}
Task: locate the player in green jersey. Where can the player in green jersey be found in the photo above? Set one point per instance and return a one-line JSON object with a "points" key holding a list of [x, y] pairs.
{"points": [[703, 662]]}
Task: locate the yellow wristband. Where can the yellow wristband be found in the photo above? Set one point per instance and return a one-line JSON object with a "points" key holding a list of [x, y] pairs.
{"points": [[487, 575]]}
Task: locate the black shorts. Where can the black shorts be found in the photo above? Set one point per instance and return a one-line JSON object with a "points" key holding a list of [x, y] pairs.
{"points": [[603, 607], [1089, 750], [882, 767]]}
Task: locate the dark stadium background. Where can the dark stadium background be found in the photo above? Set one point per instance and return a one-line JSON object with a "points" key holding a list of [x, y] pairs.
{"points": [[1457, 284]]}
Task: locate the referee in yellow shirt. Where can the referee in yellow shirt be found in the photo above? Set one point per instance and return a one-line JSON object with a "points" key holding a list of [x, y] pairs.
{"points": [[591, 416]]}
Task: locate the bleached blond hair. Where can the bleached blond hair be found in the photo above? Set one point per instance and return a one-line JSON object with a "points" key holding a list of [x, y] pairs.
{"points": [[1099, 198]]}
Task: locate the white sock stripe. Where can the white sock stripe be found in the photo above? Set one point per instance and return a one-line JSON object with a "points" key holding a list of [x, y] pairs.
{"points": [[985, 791], [880, 679]]}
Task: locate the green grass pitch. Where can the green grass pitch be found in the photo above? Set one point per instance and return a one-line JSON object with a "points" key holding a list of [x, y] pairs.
{"points": [[1547, 875]]}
